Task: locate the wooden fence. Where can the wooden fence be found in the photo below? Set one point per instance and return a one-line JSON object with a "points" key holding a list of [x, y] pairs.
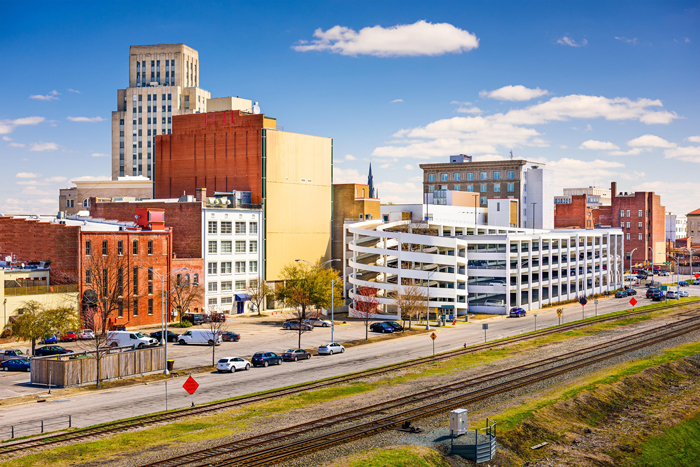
{"points": [[122, 362]]}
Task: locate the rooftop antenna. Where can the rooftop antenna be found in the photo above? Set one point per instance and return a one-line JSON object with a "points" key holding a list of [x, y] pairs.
{"points": [[511, 154]]}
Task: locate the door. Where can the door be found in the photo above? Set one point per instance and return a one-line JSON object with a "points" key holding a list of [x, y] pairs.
{"points": [[239, 307]]}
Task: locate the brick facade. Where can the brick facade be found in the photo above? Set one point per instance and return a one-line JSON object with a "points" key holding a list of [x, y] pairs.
{"points": [[577, 214]]}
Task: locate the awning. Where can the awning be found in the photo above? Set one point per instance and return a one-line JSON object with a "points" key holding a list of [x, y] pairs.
{"points": [[242, 297], [447, 307]]}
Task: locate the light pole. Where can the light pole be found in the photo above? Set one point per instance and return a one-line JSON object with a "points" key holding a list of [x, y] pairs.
{"points": [[427, 304], [631, 253]]}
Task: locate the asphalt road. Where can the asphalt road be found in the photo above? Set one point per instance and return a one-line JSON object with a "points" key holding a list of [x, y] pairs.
{"points": [[108, 405]]}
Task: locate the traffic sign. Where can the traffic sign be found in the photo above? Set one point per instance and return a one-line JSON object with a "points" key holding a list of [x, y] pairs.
{"points": [[559, 312], [583, 301], [484, 325], [633, 302], [433, 336], [697, 276], [190, 385], [595, 302]]}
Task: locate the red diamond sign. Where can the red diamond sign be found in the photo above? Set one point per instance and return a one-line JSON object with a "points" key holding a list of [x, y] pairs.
{"points": [[190, 385], [633, 302], [697, 276]]}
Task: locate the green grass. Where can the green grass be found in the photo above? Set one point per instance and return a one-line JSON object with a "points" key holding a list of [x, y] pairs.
{"points": [[679, 446], [408, 456]]}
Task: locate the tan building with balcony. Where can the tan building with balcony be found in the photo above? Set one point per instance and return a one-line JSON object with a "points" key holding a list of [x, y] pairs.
{"points": [[351, 201]]}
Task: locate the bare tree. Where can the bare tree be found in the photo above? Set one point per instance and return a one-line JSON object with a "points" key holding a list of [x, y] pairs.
{"points": [[259, 292], [106, 293], [215, 328], [366, 305], [411, 300], [184, 294]]}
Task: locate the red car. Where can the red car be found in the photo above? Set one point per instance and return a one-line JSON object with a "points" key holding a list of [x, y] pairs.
{"points": [[69, 336]]}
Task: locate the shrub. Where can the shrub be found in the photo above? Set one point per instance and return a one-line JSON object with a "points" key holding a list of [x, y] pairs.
{"points": [[182, 324]]}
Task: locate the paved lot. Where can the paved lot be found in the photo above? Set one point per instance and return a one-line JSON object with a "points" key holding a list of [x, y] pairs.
{"points": [[257, 335]]}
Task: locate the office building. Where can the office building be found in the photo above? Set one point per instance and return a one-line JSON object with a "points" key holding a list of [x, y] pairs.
{"points": [[351, 201], [676, 226], [693, 226], [73, 200], [595, 197]]}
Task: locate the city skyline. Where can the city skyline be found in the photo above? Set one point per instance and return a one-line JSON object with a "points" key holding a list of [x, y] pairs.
{"points": [[598, 92]]}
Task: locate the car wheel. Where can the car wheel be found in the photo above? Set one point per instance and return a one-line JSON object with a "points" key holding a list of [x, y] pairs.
{"points": [[308, 356], [182, 342], [325, 325], [29, 369], [6, 369], [279, 362], [330, 352], [114, 344], [342, 350], [296, 359], [265, 363], [247, 367], [141, 346], [232, 370], [211, 342]]}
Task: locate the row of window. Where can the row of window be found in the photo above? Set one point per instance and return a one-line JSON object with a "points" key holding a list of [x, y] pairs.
{"points": [[622, 225], [640, 213], [226, 227], [483, 188], [227, 286], [640, 236], [457, 177], [120, 247], [226, 246], [134, 309], [213, 301], [225, 267], [118, 282]]}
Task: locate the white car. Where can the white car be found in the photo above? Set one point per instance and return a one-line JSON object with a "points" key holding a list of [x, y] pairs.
{"points": [[331, 348], [664, 273], [682, 293], [231, 364], [696, 282], [324, 323], [86, 334]]}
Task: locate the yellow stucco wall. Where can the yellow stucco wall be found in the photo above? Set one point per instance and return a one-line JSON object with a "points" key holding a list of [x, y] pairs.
{"points": [[297, 199]]}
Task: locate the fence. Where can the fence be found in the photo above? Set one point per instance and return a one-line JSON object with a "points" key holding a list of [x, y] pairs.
{"points": [[40, 289], [479, 447], [77, 369], [35, 426]]}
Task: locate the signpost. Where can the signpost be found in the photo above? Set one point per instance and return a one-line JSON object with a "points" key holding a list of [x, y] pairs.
{"points": [[535, 322], [484, 326], [559, 313], [191, 386], [633, 302], [433, 336], [596, 306], [583, 302]]}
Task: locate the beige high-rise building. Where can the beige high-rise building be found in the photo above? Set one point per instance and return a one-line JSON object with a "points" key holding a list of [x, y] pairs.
{"points": [[163, 82]]}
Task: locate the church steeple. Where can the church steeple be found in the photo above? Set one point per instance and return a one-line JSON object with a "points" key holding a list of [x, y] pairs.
{"points": [[370, 182]]}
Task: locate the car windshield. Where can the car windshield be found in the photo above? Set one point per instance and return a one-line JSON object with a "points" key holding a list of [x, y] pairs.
{"points": [[138, 334], [223, 360], [289, 351], [257, 355]]}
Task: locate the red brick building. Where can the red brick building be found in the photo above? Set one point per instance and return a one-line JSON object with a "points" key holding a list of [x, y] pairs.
{"points": [[577, 215]]}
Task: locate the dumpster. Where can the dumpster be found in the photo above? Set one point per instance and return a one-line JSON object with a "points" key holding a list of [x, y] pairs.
{"points": [[171, 363]]}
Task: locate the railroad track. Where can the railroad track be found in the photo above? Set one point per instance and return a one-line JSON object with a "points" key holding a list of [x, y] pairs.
{"points": [[301, 439], [137, 422]]}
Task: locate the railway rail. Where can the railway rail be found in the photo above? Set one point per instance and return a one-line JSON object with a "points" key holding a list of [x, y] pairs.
{"points": [[162, 417]]}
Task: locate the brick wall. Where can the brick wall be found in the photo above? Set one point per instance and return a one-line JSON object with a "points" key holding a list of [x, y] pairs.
{"points": [[574, 215], [185, 220], [195, 266], [31, 240]]}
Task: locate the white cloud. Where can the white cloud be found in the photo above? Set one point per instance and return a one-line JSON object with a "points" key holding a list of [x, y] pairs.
{"points": [[385, 166], [687, 154], [674, 195], [6, 138], [514, 93], [33, 190], [86, 119], [687, 41], [44, 147], [408, 167], [598, 145], [566, 40], [574, 172], [31, 182], [27, 175], [73, 90], [628, 41], [693, 139], [46, 97], [469, 110], [396, 100], [420, 38], [350, 157], [55, 179], [589, 127], [345, 176], [28, 205], [631, 152], [8, 126], [563, 146], [99, 154], [17, 145], [650, 141]]}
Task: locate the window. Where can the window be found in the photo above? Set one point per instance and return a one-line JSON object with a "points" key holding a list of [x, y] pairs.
{"points": [[120, 247], [470, 188], [484, 188], [240, 285], [497, 175], [253, 228], [136, 281], [253, 246], [457, 177], [88, 248], [470, 177], [639, 225], [629, 254], [457, 188], [226, 300], [628, 225], [196, 278], [226, 286], [211, 268], [226, 246], [483, 200], [510, 187], [628, 236], [225, 227], [88, 277], [212, 301], [150, 307], [444, 177], [150, 282], [120, 282], [628, 213], [240, 246], [226, 267], [253, 266], [510, 175], [483, 176], [431, 177], [640, 213], [136, 307], [150, 247], [212, 227], [240, 267], [211, 286], [431, 189], [240, 227], [640, 237], [622, 213], [212, 247], [497, 187], [135, 248], [120, 310]]}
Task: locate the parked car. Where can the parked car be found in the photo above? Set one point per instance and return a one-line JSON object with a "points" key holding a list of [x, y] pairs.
{"points": [[232, 364], [172, 337], [16, 364], [651, 291], [129, 338], [200, 336], [296, 325], [86, 334], [196, 318], [664, 273], [682, 293], [51, 350], [14, 353], [672, 294], [218, 317], [69, 336], [621, 294], [295, 354], [685, 284], [324, 323], [117, 327], [228, 336], [50, 340], [517, 312], [381, 327], [631, 292], [658, 296], [330, 349], [266, 359], [397, 327], [695, 282]]}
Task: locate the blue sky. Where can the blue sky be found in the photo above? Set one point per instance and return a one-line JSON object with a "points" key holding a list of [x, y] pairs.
{"points": [[598, 91]]}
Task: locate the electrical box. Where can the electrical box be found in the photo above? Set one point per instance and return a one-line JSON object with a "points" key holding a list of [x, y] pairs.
{"points": [[458, 421]]}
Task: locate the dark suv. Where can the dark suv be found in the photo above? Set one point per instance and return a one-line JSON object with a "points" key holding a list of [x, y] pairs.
{"points": [[651, 291], [196, 318], [382, 327], [266, 359], [51, 350]]}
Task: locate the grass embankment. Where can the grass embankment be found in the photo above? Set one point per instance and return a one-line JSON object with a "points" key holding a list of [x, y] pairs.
{"points": [[400, 456], [678, 446]]}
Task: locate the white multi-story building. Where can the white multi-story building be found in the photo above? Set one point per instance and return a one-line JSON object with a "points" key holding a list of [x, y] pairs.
{"points": [[538, 199], [232, 249], [676, 226], [486, 269]]}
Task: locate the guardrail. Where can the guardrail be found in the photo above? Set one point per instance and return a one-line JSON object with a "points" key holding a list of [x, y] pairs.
{"points": [[35, 426], [40, 289]]}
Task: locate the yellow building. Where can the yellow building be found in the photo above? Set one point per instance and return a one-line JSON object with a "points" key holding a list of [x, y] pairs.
{"points": [[351, 201]]}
